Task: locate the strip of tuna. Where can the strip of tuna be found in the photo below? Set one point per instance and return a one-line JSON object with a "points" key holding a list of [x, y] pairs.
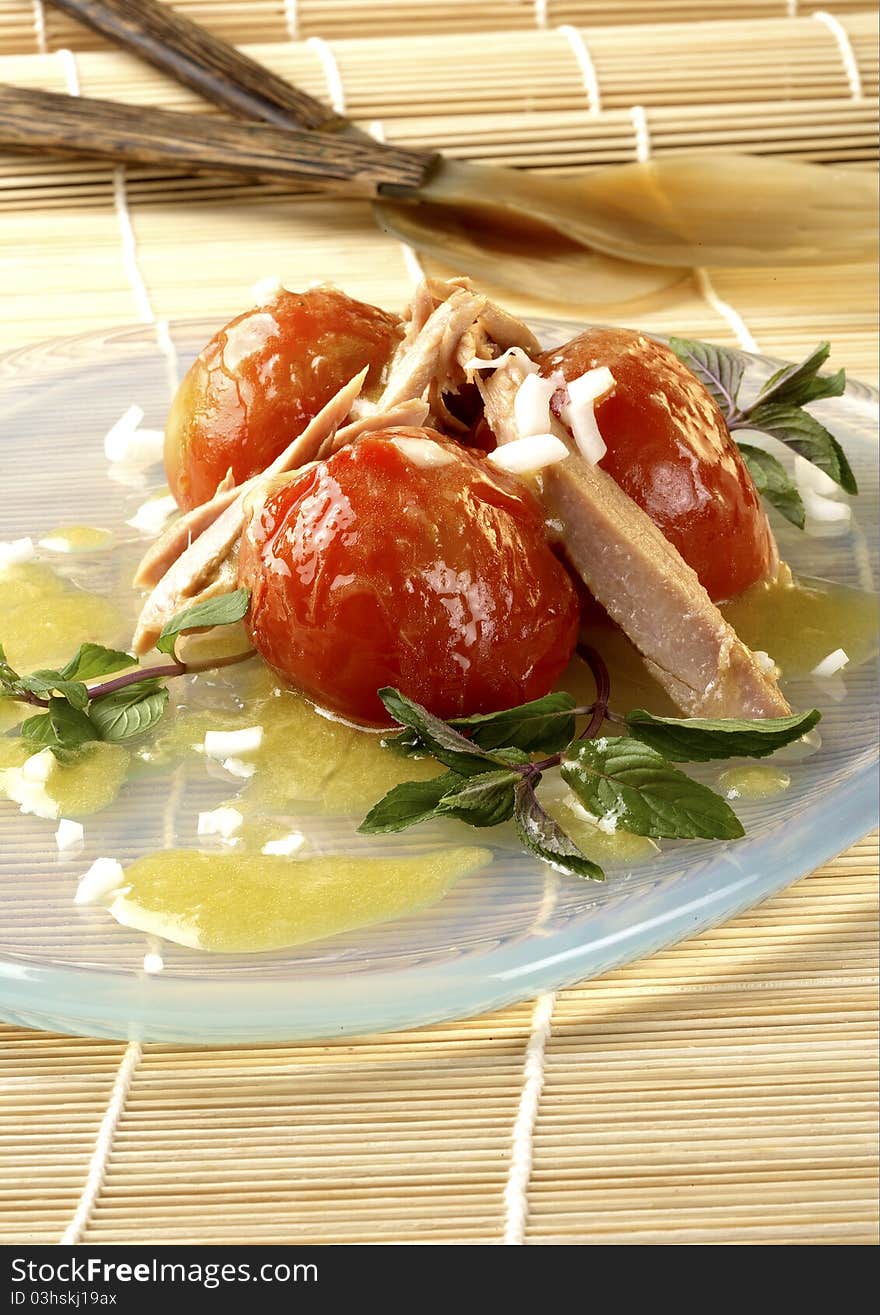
{"points": [[642, 581], [192, 570], [430, 356]]}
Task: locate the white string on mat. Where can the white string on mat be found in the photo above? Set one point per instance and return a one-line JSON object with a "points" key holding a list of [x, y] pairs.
{"points": [[129, 243], [335, 89], [516, 1191], [585, 64], [71, 72], [40, 27], [705, 286], [541, 7], [847, 54], [725, 310], [291, 18], [74, 1231], [643, 135], [136, 279], [411, 260], [792, 9]]}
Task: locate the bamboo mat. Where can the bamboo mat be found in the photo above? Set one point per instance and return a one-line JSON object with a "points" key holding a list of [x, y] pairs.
{"points": [[723, 1091]]}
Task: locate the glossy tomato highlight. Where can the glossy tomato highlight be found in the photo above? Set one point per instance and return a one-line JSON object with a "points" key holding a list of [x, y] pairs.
{"points": [[406, 560], [262, 378], [670, 449]]}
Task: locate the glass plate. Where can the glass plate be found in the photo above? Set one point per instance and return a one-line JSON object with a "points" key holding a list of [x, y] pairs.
{"points": [[501, 935]]}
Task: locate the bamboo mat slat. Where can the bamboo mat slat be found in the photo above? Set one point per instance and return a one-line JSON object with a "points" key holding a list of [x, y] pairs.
{"points": [[723, 1091], [29, 26]]}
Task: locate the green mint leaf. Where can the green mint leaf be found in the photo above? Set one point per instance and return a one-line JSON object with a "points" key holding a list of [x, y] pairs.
{"points": [[44, 683], [632, 783], [129, 711], [95, 660], [719, 370], [223, 610], [542, 835], [38, 731], [803, 434], [408, 744], [443, 742], [484, 800], [796, 385], [544, 724], [72, 727], [699, 740], [409, 803], [771, 480]]}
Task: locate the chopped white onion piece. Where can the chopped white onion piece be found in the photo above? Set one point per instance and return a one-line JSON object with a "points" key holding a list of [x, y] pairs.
{"points": [[26, 785], [531, 405], [154, 514], [105, 877], [532, 453], [238, 767], [424, 452], [40, 766], [129, 445], [512, 354], [220, 744], [834, 662], [286, 846], [579, 415], [824, 510], [223, 822], [808, 476], [69, 835], [31, 796], [16, 552], [266, 290]]}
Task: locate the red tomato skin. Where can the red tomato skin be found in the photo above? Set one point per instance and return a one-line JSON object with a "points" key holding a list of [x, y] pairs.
{"points": [[368, 570], [262, 378], [670, 449]]}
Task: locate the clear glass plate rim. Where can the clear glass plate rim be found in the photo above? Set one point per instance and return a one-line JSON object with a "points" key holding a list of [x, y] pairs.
{"points": [[412, 996]]}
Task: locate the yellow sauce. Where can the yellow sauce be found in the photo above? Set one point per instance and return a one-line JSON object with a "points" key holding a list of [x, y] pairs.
{"points": [[91, 780], [800, 621], [602, 847], [304, 758], [754, 782], [77, 538], [44, 619], [84, 783], [244, 903], [13, 753], [11, 714]]}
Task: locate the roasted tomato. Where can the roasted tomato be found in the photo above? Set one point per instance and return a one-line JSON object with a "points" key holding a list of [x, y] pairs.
{"points": [[262, 378], [406, 560], [669, 448]]}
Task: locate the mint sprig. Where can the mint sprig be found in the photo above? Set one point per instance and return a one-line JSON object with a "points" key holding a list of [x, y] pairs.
{"points": [[778, 410], [542, 835], [772, 481], [224, 610], [74, 713], [699, 739], [634, 786], [628, 780]]}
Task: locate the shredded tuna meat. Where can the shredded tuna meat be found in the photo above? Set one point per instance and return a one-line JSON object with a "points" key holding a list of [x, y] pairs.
{"points": [[641, 579]]}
